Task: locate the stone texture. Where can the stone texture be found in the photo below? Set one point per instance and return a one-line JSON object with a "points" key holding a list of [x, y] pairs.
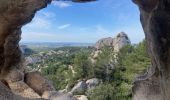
{"points": [[6, 94], [120, 41], [79, 88], [22, 89], [38, 83], [104, 42], [155, 15], [53, 95], [81, 97], [117, 43], [92, 83]]}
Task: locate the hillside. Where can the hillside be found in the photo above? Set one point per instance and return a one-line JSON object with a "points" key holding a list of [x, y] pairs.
{"points": [[72, 70]]}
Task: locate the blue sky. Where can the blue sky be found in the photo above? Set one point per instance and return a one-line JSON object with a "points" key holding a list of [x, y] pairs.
{"points": [[84, 22]]}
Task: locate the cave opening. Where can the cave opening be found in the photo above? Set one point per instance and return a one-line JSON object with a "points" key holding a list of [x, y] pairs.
{"points": [[66, 24], [74, 30]]}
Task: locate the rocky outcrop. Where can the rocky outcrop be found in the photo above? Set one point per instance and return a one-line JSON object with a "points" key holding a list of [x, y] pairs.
{"points": [[37, 82], [120, 41], [6, 94], [79, 88], [92, 83], [84, 86], [81, 97], [155, 85], [117, 43], [53, 95], [104, 42]]}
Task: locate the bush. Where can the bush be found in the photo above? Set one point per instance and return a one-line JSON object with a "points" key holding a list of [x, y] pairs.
{"points": [[102, 92]]}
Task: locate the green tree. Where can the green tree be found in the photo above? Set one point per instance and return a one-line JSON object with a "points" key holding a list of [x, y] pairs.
{"points": [[82, 65], [105, 64], [102, 92]]}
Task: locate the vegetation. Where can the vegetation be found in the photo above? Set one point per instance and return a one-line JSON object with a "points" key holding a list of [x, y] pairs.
{"points": [[131, 61], [116, 70]]}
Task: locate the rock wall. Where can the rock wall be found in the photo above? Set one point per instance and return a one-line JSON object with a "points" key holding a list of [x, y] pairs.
{"points": [[155, 19], [13, 15]]}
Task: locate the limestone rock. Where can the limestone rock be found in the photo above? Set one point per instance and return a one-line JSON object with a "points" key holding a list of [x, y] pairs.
{"points": [[80, 87], [22, 89], [117, 43], [38, 83], [14, 75], [53, 95], [120, 41], [104, 42], [155, 15], [92, 83], [81, 97], [6, 94]]}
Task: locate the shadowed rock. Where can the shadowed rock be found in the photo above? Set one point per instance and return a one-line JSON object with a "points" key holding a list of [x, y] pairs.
{"points": [[155, 19], [38, 83]]}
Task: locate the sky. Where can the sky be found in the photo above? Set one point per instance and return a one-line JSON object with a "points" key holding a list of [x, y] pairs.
{"points": [[84, 22]]}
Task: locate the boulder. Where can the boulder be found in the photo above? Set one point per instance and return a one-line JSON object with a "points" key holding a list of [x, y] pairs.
{"points": [[79, 88], [92, 83], [14, 75], [7, 94], [22, 89], [81, 97], [38, 83], [53, 95]]}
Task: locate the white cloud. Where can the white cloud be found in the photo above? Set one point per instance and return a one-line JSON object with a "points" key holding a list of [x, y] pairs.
{"points": [[64, 26], [41, 20], [39, 23], [48, 14], [61, 4], [102, 31]]}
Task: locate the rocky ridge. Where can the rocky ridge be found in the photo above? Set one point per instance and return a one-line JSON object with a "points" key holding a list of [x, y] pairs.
{"points": [[117, 43]]}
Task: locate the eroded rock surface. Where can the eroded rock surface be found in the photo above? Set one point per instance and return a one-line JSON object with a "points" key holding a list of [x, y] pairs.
{"points": [[117, 43], [13, 15], [79, 88], [37, 82], [155, 15]]}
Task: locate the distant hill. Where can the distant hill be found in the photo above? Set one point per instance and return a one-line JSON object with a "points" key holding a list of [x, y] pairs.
{"points": [[35, 45], [26, 50]]}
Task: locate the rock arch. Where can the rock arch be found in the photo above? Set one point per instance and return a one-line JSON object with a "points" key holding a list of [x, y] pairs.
{"points": [[155, 19]]}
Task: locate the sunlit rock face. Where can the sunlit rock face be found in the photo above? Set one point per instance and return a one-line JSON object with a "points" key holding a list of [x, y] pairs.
{"points": [[117, 42], [13, 15], [155, 19]]}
